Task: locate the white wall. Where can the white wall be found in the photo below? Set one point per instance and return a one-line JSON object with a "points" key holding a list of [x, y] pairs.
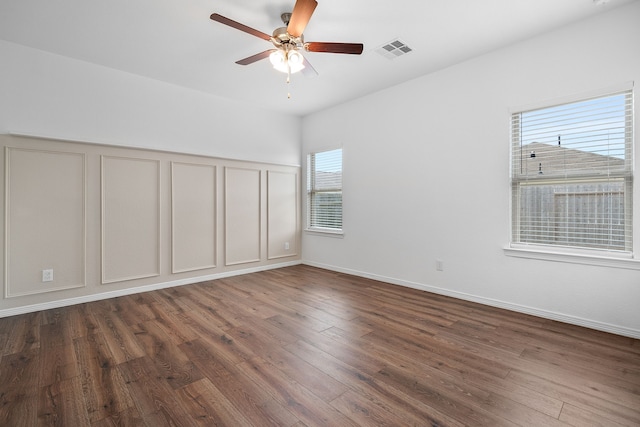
{"points": [[426, 177], [53, 96]]}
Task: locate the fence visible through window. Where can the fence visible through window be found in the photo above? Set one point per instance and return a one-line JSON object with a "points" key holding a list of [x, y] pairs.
{"points": [[583, 215]]}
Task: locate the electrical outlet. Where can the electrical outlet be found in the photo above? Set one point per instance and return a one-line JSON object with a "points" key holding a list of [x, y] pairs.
{"points": [[286, 246], [439, 265], [47, 275]]}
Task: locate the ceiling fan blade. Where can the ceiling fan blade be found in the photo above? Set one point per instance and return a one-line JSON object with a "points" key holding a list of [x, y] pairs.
{"points": [[308, 69], [238, 26], [348, 48], [255, 58], [300, 16]]}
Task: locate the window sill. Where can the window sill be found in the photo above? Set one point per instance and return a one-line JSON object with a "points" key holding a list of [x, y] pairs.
{"points": [[325, 232], [613, 261]]}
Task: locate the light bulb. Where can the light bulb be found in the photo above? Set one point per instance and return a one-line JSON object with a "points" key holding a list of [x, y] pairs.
{"points": [[296, 61], [295, 58], [278, 60], [287, 62]]}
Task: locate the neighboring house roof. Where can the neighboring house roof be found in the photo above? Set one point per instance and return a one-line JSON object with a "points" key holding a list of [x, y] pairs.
{"points": [[328, 180], [538, 159]]}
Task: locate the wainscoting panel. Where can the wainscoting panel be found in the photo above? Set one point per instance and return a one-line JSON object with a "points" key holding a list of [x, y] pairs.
{"points": [[282, 214], [130, 218], [45, 227], [242, 215], [111, 220], [193, 217]]}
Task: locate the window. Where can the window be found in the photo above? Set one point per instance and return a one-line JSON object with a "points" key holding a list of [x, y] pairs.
{"points": [[572, 175], [324, 191]]}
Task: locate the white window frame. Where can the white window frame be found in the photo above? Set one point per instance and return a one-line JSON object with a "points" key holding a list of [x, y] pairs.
{"points": [[313, 190], [619, 259]]}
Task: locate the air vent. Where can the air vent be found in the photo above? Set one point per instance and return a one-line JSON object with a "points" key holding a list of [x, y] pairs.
{"points": [[394, 49]]}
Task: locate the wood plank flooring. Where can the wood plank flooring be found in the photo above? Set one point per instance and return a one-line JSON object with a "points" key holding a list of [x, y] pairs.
{"points": [[301, 346]]}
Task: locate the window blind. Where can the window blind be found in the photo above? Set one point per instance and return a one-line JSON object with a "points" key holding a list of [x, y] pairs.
{"points": [[572, 173], [324, 190]]}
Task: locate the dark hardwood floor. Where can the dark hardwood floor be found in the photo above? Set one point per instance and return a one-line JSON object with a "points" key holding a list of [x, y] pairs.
{"points": [[301, 346]]}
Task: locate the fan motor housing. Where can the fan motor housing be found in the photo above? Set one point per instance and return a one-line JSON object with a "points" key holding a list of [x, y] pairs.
{"points": [[281, 37]]}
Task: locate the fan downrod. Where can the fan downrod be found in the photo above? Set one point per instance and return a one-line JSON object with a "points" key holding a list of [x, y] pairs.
{"points": [[286, 17]]}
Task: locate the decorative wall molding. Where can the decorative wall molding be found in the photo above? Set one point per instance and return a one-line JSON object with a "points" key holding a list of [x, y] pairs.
{"points": [[283, 214], [242, 215], [134, 207], [138, 191], [198, 203], [45, 239]]}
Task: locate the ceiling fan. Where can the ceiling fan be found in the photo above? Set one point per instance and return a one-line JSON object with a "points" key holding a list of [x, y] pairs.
{"points": [[289, 40]]}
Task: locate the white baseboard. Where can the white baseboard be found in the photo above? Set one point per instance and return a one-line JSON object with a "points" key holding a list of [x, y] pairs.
{"points": [[129, 291], [545, 314]]}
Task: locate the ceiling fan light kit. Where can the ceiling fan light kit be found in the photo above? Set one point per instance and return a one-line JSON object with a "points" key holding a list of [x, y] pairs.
{"points": [[287, 41], [287, 61]]}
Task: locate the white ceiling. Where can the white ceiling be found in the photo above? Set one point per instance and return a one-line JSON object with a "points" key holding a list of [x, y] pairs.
{"points": [[175, 41]]}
